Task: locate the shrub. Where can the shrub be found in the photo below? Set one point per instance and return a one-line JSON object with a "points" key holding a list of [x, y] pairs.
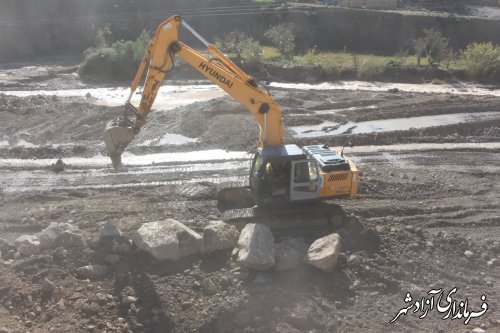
{"points": [[432, 46], [369, 69], [103, 37], [242, 45], [310, 56], [118, 61], [252, 52], [283, 38], [482, 61]]}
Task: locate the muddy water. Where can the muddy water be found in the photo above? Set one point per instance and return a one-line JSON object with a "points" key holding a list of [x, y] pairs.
{"points": [[455, 88], [168, 97], [175, 168], [387, 125]]}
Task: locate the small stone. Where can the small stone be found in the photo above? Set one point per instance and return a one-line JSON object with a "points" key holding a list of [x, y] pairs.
{"points": [[58, 166], [92, 271], [491, 262], [469, 254], [208, 287], [218, 235], [47, 286], [478, 330], [60, 254], [129, 300], [234, 253], [49, 235], [353, 260], [186, 305], [109, 230], [60, 304], [28, 245], [71, 241], [240, 273]]}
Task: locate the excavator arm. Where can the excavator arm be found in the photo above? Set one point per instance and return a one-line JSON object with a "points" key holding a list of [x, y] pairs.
{"points": [[158, 60]]}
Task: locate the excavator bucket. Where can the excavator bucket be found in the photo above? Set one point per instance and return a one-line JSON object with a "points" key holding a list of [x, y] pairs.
{"points": [[117, 136]]}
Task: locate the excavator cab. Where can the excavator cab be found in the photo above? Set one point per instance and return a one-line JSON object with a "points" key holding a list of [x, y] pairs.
{"points": [[283, 174]]}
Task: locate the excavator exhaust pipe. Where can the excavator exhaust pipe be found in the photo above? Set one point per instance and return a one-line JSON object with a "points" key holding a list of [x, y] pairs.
{"points": [[117, 136]]}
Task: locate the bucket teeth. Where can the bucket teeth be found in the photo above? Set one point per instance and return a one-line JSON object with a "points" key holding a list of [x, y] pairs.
{"points": [[116, 159], [117, 136]]}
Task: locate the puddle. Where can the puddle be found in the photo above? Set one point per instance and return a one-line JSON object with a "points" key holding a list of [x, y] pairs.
{"points": [[352, 108], [387, 125], [332, 111], [129, 159], [456, 89], [168, 97], [19, 143], [423, 147], [168, 139]]}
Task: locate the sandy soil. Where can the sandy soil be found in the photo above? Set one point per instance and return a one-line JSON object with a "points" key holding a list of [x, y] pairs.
{"points": [[421, 210]]}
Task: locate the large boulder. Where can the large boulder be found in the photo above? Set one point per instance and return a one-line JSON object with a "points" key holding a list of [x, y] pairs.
{"points": [[256, 247], [27, 245], [290, 253], [49, 235], [219, 235], [324, 252], [70, 241], [167, 240]]}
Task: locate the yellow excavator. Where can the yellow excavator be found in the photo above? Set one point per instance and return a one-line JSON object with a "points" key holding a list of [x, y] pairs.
{"points": [[280, 173]]}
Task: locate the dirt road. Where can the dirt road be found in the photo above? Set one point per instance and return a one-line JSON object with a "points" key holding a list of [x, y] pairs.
{"points": [[429, 194]]}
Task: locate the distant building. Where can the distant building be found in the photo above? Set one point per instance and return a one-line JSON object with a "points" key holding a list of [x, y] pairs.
{"points": [[372, 4]]}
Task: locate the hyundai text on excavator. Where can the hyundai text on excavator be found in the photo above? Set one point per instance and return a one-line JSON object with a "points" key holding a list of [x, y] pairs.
{"points": [[280, 173]]}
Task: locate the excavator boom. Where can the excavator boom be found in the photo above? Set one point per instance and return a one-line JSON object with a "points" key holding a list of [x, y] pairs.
{"points": [[158, 60]]}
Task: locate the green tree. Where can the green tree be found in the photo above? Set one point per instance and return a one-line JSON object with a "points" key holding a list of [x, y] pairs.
{"points": [[283, 38], [244, 47], [432, 46], [482, 61], [103, 37]]}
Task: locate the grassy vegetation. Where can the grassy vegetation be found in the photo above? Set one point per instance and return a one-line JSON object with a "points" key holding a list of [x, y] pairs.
{"points": [[118, 60], [365, 65], [482, 60]]}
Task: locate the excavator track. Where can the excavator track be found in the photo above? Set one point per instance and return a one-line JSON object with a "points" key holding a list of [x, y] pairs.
{"points": [[299, 216]]}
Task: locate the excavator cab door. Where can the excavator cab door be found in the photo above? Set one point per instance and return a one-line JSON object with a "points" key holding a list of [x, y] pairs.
{"points": [[305, 182]]}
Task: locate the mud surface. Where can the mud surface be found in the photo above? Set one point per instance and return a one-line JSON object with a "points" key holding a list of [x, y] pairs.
{"points": [[419, 212]]}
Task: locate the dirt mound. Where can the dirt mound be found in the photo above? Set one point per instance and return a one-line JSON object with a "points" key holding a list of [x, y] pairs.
{"points": [[221, 123], [45, 119]]}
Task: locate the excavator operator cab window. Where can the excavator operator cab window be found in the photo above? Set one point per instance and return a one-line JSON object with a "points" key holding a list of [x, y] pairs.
{"points": [[277, 175], [256, 165], [305, 172]]}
